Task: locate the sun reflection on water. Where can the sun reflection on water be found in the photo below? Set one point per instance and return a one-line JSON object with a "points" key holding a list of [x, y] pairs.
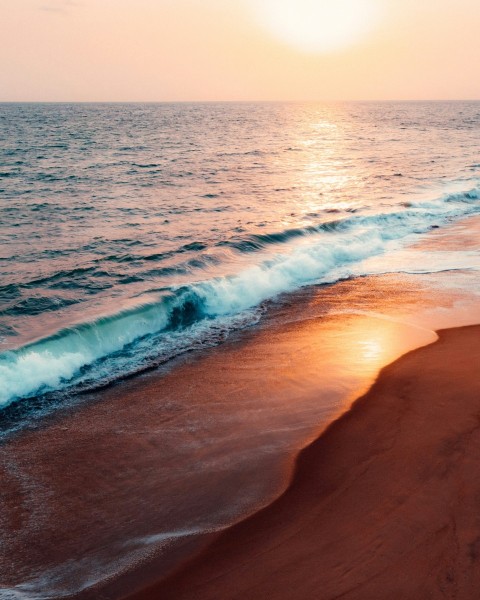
{"points": [[366, 343], [372, 349], [321, 171]]}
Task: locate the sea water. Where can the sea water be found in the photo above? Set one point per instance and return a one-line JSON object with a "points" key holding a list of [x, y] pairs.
{"points": [[135, 232]]}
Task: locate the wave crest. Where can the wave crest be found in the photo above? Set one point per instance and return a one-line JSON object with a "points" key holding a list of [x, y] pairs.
{"points": [[205, 311]]}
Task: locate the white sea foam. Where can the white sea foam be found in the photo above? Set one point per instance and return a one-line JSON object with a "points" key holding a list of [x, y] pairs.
{"points": [[52, 363]]}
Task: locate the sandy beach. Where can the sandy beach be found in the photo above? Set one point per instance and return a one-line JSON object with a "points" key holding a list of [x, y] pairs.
{"points": [[109, 495], [384, 504], [239, 300]]}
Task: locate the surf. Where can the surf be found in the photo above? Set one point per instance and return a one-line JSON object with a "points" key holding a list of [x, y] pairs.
{"points": [[180, 318]]}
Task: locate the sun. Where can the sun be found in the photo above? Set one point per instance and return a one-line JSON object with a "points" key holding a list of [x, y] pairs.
{"points": [[318, 26]]}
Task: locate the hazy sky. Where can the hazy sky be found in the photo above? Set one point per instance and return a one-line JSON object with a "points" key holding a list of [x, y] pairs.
{"points": [[239, 49]]}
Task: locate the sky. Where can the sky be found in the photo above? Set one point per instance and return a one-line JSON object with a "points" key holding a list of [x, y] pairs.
{"points": [[215, 50]]}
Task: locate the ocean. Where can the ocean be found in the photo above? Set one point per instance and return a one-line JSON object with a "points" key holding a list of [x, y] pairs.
{"points": [[131, 233], [139, 239]]}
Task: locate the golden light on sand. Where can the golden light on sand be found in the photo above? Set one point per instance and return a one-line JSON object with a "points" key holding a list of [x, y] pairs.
{"points": [[318, 26], [374, 342], [370, 342], [371, 349]]}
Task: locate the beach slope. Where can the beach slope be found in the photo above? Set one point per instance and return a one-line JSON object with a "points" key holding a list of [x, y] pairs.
{"points": [[385, 504]]}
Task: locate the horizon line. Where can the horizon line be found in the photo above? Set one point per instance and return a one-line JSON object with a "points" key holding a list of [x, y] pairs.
{"points": [[324, 101]]}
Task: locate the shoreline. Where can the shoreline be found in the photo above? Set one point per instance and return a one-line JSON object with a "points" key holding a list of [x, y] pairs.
{"points": [[381, 504], [198, 447]]}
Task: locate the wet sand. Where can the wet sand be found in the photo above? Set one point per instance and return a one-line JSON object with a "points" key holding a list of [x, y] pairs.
{"points": [[107, 496], [385, 504]]}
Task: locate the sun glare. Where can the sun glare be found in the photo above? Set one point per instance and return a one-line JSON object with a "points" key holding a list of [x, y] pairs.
{"points": [[318, 26]]}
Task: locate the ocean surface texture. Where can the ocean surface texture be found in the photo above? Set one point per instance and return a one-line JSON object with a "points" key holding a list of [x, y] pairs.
{"points": [[132, 233]]}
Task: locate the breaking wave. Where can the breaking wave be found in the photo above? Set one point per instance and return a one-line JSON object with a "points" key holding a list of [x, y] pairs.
{"points": [[203, 312]]}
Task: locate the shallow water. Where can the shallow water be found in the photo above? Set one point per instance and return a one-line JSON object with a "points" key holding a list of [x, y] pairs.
{"points": [[132, 233]]}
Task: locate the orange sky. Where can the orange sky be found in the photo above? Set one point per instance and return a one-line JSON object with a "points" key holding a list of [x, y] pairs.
{"points": [[161, 50]]}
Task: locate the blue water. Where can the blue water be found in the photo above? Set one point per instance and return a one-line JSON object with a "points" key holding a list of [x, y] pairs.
{"points": [[133, 232]]}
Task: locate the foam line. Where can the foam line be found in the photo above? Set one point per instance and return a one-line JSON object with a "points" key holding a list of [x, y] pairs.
{"points": [[60, 360]]}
